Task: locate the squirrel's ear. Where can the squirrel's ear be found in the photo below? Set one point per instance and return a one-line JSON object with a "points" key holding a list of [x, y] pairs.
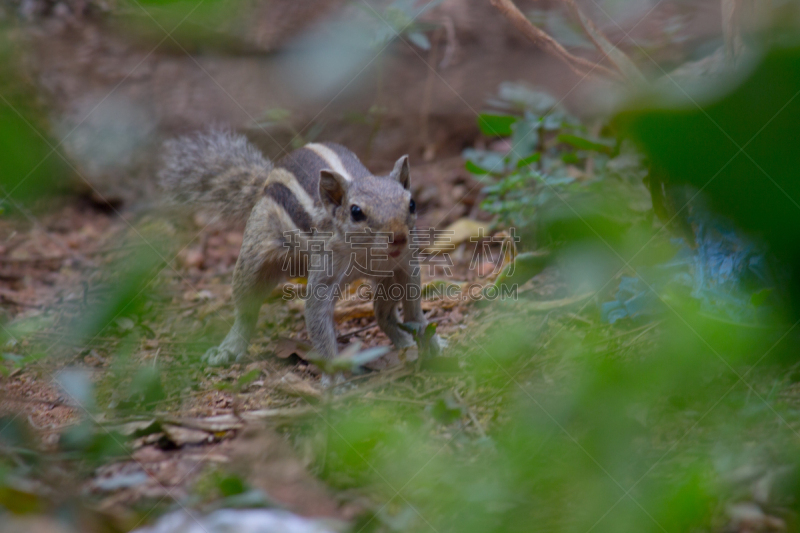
{"points": [[332, 187], [401, 173]]}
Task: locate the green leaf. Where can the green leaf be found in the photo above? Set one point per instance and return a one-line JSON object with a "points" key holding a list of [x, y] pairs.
{"points": [[526, 137], [531, 159], [20, 501], [430, 331], [583, 143], [525, 266], [475, 169], [496, 125], [146, 388], [570, 158], [447, 410], [231, 485], [249, 377], [487, 161]]}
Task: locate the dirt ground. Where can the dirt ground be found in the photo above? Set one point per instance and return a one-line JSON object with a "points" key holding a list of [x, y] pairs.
{"points": [[55, 266]]}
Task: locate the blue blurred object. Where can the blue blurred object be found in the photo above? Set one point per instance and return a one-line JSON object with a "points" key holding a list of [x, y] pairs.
{"points": [[696, 137], [632, 300], [726, 272]]}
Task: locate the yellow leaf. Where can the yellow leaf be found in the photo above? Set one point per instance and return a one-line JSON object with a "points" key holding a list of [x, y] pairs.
{"points": [[462, 230]]}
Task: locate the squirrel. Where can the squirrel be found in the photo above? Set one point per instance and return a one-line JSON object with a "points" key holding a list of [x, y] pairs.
{"points": [[316, 212]]}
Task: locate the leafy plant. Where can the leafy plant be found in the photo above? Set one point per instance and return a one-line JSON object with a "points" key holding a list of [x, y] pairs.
{"points": [[541, 160]]}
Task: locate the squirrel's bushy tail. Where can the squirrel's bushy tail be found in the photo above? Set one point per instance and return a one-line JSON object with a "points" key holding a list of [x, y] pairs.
{"points": [[216, 169]]}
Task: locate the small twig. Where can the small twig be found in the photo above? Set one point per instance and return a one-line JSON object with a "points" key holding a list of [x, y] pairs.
{"points": [[639, 336], [356, 332], [427, 94], [471, 414], [617, 57], [645, 327], [550, 305], [579, 318], [579, 65]]}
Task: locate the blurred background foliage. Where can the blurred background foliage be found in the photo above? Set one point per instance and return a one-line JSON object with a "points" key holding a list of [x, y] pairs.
{"points": [[600, 436], [31, 170], [664, 401]]}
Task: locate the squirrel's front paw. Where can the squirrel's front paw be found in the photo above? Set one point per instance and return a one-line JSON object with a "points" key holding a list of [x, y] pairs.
{"points": [[403, 340], [222, 355], [217, 356]]}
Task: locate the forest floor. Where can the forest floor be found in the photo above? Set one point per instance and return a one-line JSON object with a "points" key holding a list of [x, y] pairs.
{"points": [[106, 314], [58, 272]]}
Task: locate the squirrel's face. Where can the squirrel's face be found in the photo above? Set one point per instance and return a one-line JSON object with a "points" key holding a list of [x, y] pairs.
{"points": [[375, 210]]}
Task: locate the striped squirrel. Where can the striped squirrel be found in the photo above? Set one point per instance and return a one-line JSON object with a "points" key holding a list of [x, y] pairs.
{"points": [[317, 194]]}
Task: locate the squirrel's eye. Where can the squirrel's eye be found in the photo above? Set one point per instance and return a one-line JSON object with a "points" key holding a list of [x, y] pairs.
{"points": [[357, 214], [412, 206]]}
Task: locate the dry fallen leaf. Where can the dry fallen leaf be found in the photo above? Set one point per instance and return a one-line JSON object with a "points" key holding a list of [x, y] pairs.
{"points": [[181, 436], [461, 230], [210, 424], [270, 464], [352, 309], [296, 386], [287, 347]]}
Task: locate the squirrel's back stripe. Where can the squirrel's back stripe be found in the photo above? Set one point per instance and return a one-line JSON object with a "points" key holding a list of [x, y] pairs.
{"points": [[282, 196], [305, 165], [331, 158], [349, 161], [311, 204], [340, 160]]}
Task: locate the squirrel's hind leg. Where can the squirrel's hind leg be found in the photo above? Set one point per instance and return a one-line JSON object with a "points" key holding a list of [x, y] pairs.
{"points": [[248, 299], [386, 313], [258, 270]]}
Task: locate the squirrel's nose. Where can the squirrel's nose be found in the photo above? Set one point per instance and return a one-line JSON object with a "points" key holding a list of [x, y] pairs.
{"points": [[400, 239]]}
